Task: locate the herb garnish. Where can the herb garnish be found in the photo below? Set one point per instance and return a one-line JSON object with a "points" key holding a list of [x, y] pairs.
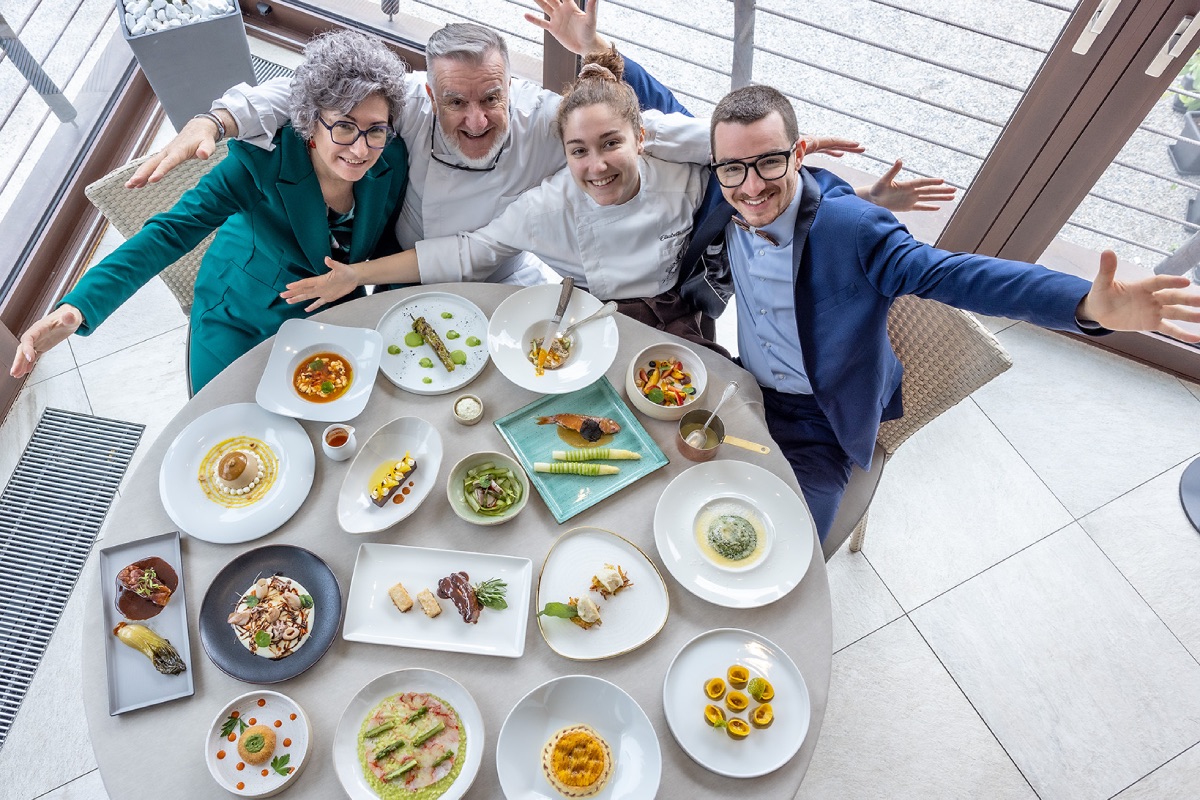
{"points": [[490, 594], [560, 610], [234, 721], [280, 764]]}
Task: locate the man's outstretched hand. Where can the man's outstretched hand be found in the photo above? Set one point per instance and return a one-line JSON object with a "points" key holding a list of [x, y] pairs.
{"points": [[198, 139], [918, 194], [1145, 305], [574, 28]]}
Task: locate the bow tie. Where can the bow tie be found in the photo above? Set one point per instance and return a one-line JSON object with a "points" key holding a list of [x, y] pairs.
{"points": [[741, 223]]}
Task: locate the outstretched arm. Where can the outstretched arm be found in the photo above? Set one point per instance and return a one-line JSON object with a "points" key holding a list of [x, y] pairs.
{"points": [[1145, 305], [574, 28], [198, 139], [918, 194], [345, 278]]}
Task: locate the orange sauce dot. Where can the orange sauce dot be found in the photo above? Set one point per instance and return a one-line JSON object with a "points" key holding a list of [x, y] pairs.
{"points": [[232, 736], [262, 703], [406, 490], [278, 723], [291, 716], [241, 785], [220, 754], [234, 715], [291, 770], [264, 773], [397, 498], [287, 742], [253, 721], [241, 765]]}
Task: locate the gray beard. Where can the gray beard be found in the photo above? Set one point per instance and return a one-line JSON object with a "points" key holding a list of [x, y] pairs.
{"points": [[475, 163]]}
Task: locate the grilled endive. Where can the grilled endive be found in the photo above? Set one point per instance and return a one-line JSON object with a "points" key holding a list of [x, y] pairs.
{"points": [[160, 652]]}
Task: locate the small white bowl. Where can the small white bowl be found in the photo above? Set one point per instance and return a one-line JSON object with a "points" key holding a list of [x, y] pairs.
{"points": [[454, 488], [661, 352], [274, 707], [465, 420]]}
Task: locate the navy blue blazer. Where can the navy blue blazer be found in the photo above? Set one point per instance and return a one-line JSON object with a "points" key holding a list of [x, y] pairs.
{"points": [[856, 259]]}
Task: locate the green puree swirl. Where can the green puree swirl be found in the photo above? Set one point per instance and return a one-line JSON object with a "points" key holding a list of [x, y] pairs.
{"points": [[402, 730]]}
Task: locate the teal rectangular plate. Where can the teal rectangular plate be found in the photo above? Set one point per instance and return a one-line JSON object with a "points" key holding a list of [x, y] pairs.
{"points": [[567, 495]]}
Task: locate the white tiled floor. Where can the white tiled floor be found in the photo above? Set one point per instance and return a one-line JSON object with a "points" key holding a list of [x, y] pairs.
{"points": [[1022, 623]]}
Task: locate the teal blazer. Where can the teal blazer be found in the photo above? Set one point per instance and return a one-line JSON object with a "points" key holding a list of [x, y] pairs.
{"points": [[273, 230]]}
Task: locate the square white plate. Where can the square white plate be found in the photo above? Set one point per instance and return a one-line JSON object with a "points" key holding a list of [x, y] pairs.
{"points": [[299, 339], [371, 616]]}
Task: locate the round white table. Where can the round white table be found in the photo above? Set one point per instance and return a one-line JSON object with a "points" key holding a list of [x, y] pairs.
{"points": [[160, 748]]}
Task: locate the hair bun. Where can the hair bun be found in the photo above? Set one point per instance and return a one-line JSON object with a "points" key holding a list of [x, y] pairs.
{"points": [[598, 71]]}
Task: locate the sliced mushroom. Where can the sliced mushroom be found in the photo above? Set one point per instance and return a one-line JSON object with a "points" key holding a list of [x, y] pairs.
{"points": [[239, 618], [293, 601]]}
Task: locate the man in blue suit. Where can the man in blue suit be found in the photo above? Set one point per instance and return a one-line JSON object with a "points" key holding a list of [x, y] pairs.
{"points": [[816, 270]]}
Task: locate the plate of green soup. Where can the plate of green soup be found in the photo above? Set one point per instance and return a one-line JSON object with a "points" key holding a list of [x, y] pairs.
{"points": [[412, 734], [433, 343], [733, 534]]}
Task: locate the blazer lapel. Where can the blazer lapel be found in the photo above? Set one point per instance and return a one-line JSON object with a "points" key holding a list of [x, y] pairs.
{"points": [[300, 192]]}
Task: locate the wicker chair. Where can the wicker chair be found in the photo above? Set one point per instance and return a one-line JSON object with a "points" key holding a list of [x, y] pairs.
{"points": [[128, 210], [947, 355]]}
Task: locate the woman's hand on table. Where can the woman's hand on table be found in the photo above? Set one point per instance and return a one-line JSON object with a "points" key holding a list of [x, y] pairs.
{"points": [[44, 334], [338, 282]]}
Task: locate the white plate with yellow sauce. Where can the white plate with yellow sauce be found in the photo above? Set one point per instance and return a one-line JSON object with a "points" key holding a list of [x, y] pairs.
{"points": [[196, 505], [628, 619], [723, 498], [356, 513]]}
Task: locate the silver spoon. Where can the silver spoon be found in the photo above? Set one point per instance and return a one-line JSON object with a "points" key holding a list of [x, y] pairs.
{"points": [[561, 346], [698, 438]]}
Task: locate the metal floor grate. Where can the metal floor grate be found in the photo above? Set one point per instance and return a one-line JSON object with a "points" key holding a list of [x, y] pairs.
{"points": [[50, 513], [265, 70]]}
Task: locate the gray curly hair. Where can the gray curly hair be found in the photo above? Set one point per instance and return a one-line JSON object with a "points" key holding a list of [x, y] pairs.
{"points": [[468, 42], [340, 70]]}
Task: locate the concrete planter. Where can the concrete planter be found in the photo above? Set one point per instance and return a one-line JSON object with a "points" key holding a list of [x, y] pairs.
{"points": [[192, 65]]}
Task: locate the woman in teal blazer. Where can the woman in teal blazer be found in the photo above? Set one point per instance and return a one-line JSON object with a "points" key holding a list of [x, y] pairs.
{"points": [[331, 186]]}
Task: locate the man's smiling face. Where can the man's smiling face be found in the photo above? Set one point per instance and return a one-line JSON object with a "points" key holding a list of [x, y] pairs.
{"points": [[471, 103], [759, 202]]}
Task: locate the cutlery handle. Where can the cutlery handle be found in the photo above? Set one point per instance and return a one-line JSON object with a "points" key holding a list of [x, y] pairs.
{"points": [[745, 445], [564, 299]]}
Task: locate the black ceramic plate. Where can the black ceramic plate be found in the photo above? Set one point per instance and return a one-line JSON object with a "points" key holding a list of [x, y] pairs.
{"points": [[221, 643]]}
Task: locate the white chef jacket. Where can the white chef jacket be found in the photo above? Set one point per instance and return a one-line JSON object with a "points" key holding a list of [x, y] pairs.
{"points": [[441, 200], [616, 252]]}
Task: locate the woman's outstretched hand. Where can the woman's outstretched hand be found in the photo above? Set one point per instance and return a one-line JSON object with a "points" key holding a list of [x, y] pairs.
{"points": [[338, 282], [42, 335]]}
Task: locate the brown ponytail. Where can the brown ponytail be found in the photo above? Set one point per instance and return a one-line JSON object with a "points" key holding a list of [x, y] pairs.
{"points": [[600, 82]]}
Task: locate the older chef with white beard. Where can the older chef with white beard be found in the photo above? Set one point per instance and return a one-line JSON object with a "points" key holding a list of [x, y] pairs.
{"points": [[494, 138]]}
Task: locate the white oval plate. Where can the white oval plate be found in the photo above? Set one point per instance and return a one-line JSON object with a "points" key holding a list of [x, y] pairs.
{"points": [[345, 741], [709, 655], [277, 707], [780, 571], [195, 514], [404, 369], [355, 511], [575, 700], [628, 619], [299, 339], [509, 335]]}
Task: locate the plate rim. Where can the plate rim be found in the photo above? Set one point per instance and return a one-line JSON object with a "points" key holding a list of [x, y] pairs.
{"points": [[476, 753], [320, 412], [404, 511], [185, 649], [653, 738], [522, 623], [455, 387], [764, 640], [288, 779], [542, 389], [537, 598], [661, 535], [287, 675], [305, 471]]}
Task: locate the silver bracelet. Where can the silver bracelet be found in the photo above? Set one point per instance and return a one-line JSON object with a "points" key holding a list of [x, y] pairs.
{"points": [[214, 119]]}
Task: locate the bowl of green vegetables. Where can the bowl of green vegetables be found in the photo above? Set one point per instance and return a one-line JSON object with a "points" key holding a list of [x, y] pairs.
{"points": [[487, 488]]}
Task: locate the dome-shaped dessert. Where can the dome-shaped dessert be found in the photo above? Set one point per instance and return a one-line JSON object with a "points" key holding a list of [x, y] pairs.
{"points": [[238, 472]]}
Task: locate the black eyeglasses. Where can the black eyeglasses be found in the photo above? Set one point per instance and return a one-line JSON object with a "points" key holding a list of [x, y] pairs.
{"points": [[769, 166], [347, 133]]}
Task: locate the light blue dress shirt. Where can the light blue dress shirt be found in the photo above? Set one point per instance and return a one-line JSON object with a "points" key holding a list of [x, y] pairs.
{"points": [[768, 343]]}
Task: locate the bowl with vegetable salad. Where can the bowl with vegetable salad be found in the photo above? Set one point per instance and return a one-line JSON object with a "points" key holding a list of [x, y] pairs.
{"points": [[487, 488]]}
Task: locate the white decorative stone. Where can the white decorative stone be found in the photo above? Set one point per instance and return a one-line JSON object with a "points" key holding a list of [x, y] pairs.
{"points": [[158, 5], [171, 12]]}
